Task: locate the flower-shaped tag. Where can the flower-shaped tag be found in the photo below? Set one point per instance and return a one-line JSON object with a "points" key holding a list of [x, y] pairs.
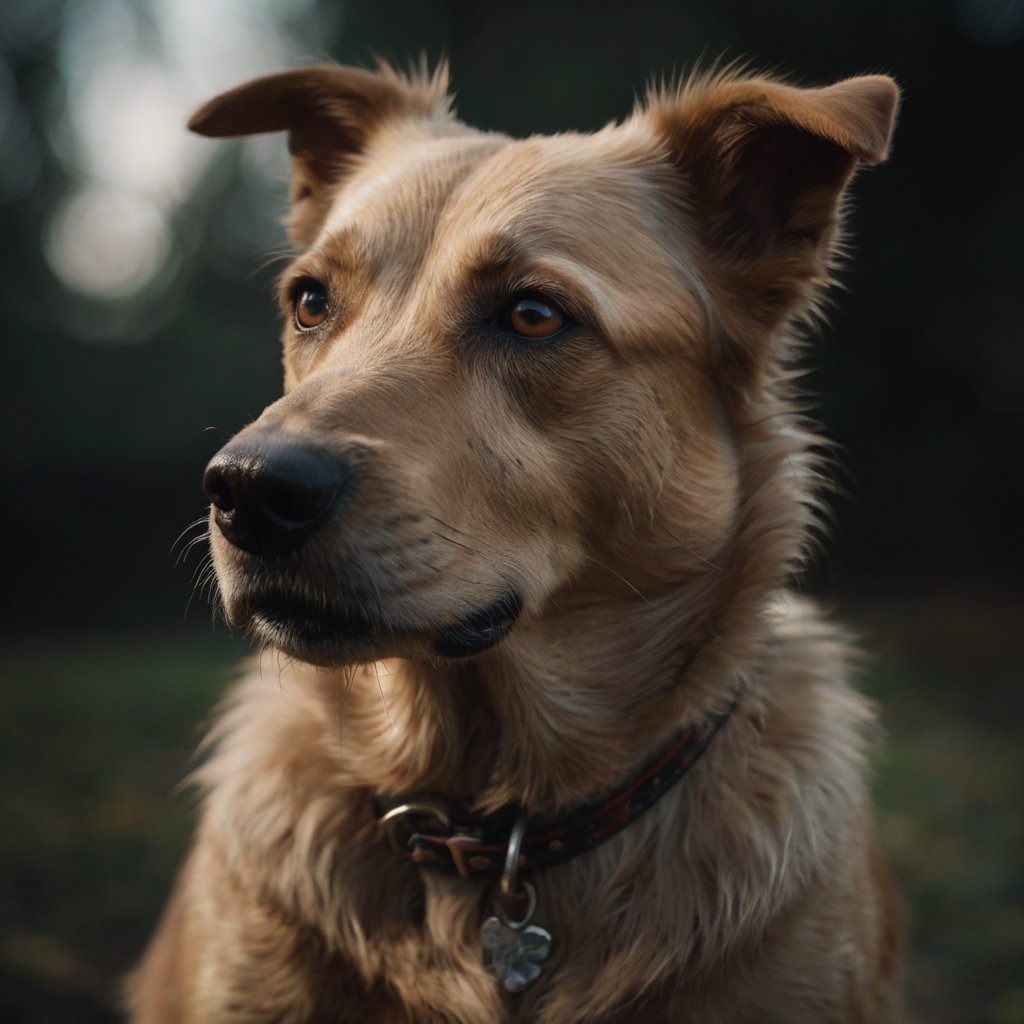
{"points": [[514, 955]]}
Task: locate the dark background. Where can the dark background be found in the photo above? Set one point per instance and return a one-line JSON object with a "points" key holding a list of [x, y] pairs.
{"points": [[110, 405]]}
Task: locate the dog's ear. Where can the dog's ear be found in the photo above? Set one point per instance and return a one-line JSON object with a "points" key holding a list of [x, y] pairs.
{"points": [[330, 114], [764, 167]]}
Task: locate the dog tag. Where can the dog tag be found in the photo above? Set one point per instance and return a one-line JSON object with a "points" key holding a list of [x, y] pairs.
{"points": [[514, 954], [514, 950]]}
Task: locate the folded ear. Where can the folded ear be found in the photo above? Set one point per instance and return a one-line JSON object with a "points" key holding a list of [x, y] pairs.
{"points": [[764, 166], [330, 114]]}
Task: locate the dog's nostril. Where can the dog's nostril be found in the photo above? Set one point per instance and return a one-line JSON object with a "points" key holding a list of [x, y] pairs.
{"points": [[269, 498], [297, 502], [217, 489]]}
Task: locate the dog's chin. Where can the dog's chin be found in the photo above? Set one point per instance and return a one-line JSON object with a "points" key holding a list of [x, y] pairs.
{"points": [[332, 635], [310, 632]]}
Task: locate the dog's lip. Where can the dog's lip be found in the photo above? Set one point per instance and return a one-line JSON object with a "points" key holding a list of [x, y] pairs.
{"points": [[481, 630], [295, 622], [330, 633]]}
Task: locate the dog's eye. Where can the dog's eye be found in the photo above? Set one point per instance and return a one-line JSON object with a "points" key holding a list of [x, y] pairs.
{"points": [[310, 304], [534, 317]]}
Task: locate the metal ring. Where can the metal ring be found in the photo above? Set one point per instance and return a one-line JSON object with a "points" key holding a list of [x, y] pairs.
{"points": [[416, 807], [510, 874], [531, 906], [389, 821]]}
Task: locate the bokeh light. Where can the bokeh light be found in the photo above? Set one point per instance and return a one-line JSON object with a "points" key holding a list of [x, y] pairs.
{"points": [[108, 241], [133, 73]]}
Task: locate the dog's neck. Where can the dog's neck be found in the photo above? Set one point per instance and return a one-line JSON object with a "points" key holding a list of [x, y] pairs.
{"points": [[576, 704], [564, 710]]}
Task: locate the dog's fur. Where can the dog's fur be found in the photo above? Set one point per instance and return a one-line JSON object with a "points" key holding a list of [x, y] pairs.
{"points": [[643, 481]]}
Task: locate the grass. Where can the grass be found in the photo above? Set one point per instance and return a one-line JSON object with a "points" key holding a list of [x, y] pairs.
{"points": [[96, 732], [950, 797]]}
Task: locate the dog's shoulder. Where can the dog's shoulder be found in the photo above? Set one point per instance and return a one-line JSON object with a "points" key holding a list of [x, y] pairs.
{"points": [[815, 712]]}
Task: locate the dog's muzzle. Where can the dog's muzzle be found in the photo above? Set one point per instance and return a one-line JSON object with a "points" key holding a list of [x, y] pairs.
{"points": [[270, 495]]}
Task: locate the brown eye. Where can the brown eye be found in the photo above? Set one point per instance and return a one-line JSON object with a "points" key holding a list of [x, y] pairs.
{"points": [[534, 317], [310, 305]]}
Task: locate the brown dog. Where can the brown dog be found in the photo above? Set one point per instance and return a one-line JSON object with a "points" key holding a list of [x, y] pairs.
{"points": [[522, 525]]}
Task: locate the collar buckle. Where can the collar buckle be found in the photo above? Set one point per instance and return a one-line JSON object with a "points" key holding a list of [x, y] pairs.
{"points": [[404, 822], [427, 831]]}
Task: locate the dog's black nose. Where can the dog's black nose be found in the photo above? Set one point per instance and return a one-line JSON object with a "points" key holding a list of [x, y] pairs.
{"points": [[270, 497]]}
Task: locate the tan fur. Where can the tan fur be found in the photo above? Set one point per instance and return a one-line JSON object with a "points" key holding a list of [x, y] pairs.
{"points": [[647, 487]]}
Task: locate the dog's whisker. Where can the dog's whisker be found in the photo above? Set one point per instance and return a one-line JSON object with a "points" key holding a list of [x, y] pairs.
{"points": [[205, 562], [456, 543], [617, 575], [349, 676], [204, 573], [195, 542], [281, 255], [201, 521], [499, 571], [603, 565], [689, 550], [441, 570], [204, 577], [380, 689], [447, 526]]}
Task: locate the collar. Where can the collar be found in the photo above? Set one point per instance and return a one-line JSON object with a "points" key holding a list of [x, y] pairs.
{"points": [[444, 833]]}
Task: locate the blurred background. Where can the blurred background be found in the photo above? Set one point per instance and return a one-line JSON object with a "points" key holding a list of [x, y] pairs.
{"points": [[139, 332]]}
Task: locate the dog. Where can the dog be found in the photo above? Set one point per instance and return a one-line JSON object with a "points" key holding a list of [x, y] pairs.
{"points": [[543, 735]]}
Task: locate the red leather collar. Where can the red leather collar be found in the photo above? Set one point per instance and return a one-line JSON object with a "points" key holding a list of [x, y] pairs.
{"points": [[443, 833]]}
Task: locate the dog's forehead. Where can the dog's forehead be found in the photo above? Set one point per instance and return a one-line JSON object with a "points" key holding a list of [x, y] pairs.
{"points": [[401, 181], [570, 182], [420, 202], [594, 200]]}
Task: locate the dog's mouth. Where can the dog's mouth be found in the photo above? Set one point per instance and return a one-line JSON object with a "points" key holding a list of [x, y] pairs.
{"points": [[306, 629], [330, 634], [482, 630]]}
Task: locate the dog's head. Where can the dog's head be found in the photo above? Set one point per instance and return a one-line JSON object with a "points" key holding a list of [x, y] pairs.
{"points": [[518, 372]]}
